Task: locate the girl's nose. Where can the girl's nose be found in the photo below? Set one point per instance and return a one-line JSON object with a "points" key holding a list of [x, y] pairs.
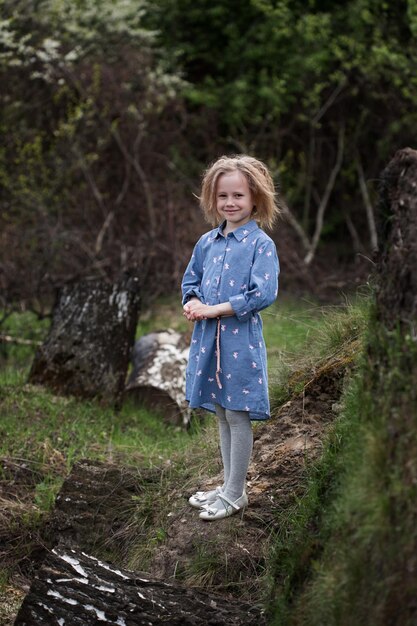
{"points": [[229, 202]]}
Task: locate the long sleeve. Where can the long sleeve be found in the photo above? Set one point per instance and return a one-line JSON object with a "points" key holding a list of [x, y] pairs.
{"points": [[263, 286], [191, 282]]}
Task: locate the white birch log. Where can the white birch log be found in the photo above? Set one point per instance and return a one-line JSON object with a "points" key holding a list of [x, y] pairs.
{"points": [[157, 379], [75, 589]]}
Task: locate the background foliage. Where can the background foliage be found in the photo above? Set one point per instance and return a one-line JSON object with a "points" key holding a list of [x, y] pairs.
{"points": [[110, 110]]}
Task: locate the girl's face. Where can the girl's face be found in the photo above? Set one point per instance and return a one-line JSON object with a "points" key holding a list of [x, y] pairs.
{"points": [[234, 199]]}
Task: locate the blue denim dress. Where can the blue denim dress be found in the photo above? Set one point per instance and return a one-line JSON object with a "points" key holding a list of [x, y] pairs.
{"points": [[227, 362]]}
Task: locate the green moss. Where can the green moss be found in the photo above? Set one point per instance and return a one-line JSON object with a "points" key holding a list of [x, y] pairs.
{"points": [[345, 557]]}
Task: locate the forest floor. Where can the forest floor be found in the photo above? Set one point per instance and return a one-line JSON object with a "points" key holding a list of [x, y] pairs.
{"points": [[230, 556]]}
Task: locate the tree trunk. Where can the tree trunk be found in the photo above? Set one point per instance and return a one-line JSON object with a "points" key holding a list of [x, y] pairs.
{"points": [[74, 589], [397, 260], [390, 383], [86, 353], [95, 504], [158, 376]]}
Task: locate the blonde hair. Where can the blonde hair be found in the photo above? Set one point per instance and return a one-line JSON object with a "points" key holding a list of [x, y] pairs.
{"points": [[266, 201]]}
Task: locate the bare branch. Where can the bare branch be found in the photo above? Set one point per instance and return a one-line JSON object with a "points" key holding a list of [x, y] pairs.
{"points": [[309, 175], [86, 170], [357, 244], [133, 160], [368, 205], [125, 186], [325, 199], [102, 232], [330, 100], [19, 341], [297, 226]]}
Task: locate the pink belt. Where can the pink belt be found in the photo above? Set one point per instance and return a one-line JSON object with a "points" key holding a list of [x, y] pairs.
{"points": [[218, 368]]}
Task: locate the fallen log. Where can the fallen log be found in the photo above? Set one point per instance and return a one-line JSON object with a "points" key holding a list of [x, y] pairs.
{"points": [[75, 589], [94, 505], [159, 361]]}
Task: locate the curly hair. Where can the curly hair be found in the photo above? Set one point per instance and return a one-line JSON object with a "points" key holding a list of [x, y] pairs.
{"points": [[267, 202]]}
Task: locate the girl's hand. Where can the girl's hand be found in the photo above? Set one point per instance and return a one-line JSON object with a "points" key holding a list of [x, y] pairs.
{"points": [[195, 310]]}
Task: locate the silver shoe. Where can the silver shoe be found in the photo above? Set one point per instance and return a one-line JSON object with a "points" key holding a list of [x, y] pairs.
{"points": [[211, 513], [203, 498]]}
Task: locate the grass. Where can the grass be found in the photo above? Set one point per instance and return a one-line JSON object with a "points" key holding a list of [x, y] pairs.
{"points": [[21, 325], [344, 555], [35, 422], [166, 312], [302, 532], [316, 337], [49, 433], [45, 434], [38, 426], [289, 323]]}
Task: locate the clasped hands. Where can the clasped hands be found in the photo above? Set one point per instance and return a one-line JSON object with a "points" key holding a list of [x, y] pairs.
{"points": [[195, 310]]}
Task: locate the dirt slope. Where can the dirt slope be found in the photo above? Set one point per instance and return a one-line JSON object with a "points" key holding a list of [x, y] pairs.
{"points": [[229, 555]]}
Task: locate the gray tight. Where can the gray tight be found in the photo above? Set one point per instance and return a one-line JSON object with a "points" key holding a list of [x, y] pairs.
{"points": [[236, 442]]}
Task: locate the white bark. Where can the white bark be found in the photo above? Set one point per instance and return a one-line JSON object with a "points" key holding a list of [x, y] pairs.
{"points": [[325, 199], [158, 376]]}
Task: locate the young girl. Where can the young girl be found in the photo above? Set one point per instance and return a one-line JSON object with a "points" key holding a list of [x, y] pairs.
{"points": [[232, 275]]}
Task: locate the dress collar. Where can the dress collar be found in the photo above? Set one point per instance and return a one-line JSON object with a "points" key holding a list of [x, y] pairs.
{"points": [[241, 232]]}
